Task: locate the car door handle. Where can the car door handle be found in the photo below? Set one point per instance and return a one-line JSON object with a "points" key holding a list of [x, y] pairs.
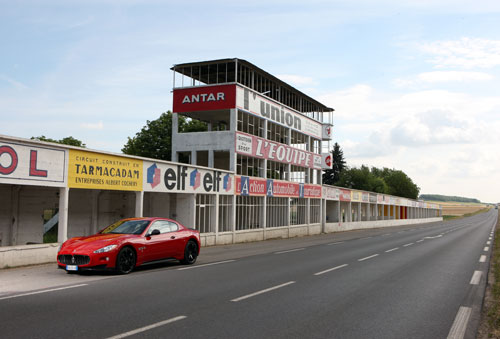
{"points": [[172, 237]]}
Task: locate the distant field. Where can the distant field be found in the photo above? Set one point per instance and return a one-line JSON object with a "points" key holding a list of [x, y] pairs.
{"points": [[459, 208]]}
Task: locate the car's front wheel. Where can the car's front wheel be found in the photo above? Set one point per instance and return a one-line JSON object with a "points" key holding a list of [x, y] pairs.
{"points": [[190, 253], [125, 261]]}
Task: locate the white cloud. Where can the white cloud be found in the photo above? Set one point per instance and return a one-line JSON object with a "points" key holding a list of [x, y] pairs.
{"points": [[464, 53], [440, 76], [14, 83], [97, 125]]}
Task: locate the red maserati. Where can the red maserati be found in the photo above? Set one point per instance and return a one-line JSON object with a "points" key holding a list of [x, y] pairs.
{"points": [[129, 243]]}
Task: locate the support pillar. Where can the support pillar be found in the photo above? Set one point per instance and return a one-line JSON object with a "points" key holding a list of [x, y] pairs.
{"points": [[62, 229], [139, 203]]}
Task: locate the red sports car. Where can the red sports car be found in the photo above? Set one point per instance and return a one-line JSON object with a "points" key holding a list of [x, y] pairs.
{"points": [[129, 243]]}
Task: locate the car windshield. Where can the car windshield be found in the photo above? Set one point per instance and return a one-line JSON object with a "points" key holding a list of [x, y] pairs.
{"points": [[127, 227]]}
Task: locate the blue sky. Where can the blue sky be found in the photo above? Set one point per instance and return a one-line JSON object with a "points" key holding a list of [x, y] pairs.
{"points": [[415, 84]]}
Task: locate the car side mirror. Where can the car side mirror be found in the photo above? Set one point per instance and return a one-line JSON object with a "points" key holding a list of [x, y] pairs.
{"points": [[155, 232]]}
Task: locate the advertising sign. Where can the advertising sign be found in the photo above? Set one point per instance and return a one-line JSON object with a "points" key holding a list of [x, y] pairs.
{"points": [[365, 197], [327, 132], [326, 161], [275, 188], [373, 198], [355, 196], [32, 165], [101, 171], [251, 145], [161, 177], [331, 193], [269, 109], [204, 98], [345, 195]]}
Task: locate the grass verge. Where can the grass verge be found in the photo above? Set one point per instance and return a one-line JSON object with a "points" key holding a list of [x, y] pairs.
{"points": [[453, 217], [493, 310]]}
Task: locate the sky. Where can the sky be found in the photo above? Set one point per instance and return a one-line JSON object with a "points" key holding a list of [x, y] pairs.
{"points": [[415, 84]]}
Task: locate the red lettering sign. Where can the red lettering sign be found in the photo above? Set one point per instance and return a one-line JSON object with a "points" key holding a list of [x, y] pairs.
{"points": [[13, 160], [34, 172], [204, 98]]}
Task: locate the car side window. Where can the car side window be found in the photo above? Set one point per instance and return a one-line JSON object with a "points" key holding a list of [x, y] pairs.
{"points": [[163, 226]]}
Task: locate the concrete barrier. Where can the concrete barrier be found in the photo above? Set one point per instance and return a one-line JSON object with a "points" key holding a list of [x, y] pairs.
{"points": [[13, 256]]}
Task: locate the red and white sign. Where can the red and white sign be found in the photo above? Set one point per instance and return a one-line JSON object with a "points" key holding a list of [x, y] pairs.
{"points": [[330, 193], [32, 165], [327, 132], [345, 195], [204, 98], [326, 161], [275, 188], [251, 145]]}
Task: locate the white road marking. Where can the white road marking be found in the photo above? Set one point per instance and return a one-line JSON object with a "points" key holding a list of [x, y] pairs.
{"points": [[365, 238], [486, 249], [335, 243], [476, 277], [262, 291], [288, 251], [331, 269], [457, 330], [366, 258], [437, 236], [420, 240], [406, 245], [146, 328], [204, 265], [488, 243], [490, 238], [392, 249], [44, 291], [482, 258], [385, 235]]}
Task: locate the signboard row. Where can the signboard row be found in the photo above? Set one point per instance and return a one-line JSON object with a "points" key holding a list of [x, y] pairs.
{"points": [[218, 97], [26, 164]]}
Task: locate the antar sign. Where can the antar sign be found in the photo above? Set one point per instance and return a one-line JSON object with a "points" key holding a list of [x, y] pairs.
{"points": [[204, 98]]}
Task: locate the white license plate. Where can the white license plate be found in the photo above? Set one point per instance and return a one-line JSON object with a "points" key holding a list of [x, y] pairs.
{"points": [[71, 268]]}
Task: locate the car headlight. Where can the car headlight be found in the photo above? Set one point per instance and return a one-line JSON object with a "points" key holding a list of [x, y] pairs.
{"points": [[105, 249]]}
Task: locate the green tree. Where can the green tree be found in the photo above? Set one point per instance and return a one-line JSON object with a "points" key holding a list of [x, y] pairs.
{"points": [[155, 139], [398, 183], [332, 176], [65, 141], [363, 179]]}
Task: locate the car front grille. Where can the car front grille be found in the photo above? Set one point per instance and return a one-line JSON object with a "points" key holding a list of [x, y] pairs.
{"points": [[68, 259]]}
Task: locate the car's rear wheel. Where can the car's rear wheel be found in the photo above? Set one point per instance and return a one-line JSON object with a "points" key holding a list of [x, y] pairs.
{"points": [[125, 261], [190, 253]]}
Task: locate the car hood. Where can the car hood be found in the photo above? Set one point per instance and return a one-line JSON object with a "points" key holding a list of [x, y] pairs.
{"points": [[93, 242]]}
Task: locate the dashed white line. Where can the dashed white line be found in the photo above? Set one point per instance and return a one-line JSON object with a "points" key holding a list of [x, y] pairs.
{"points": [[366, 258], [476, 277], [486, 249], [420, 240], [149, 327], [457, 330], [331, 269], [482, 258], [335, 243], [488, 243], [406, 245], [385, 235], [262, 291], [288, 251], [392, 249], [44, 291], [490, 238], [205, 265]]}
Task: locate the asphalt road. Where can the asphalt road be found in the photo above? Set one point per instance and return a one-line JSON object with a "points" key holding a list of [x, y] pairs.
{"points": [[401, 282]]}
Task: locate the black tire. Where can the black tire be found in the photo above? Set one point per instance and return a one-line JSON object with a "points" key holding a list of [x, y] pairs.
{"points": [[125, 260], [190, 253]]}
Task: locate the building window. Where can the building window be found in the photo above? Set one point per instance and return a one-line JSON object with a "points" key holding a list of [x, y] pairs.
{"points": [[225, 213], [299, 140], [249, 166], [249, 123], [276, 170], [276, 212], [315, 209], [298, 174], [277, 133], [315, 146], [298, 211], [205, 210], [248, 212]]}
